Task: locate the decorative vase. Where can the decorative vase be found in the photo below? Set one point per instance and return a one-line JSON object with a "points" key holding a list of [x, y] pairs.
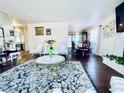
{"points": [[50, 51]]}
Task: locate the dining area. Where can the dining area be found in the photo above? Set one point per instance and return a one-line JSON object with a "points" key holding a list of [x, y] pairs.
{"points": [[84, 49], [82, 46]]}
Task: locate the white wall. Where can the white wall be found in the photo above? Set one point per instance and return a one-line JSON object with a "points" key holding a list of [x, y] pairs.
{"points": [[59, 32], [93, 36], [113, 44], [7, 22], [119, 44], [5, 19]]}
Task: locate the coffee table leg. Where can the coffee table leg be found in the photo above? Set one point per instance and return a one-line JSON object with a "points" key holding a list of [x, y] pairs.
{"points": [[54, 69]]}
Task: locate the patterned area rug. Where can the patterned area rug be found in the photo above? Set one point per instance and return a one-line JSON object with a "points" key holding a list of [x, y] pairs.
{"points": [[69, 77]]}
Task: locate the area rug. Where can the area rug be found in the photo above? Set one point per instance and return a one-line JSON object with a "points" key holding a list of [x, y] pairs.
{"points": [[29, 78]]}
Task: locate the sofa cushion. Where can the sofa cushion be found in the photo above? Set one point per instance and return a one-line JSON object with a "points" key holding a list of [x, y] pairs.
{"points": [[117, 84]]}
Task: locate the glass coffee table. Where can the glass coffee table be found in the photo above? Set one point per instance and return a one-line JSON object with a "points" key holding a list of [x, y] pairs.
{"points": [[53, 63], [50, 60]]}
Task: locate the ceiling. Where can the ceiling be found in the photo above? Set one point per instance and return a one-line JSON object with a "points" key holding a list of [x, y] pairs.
{"points": [[34, 11]]}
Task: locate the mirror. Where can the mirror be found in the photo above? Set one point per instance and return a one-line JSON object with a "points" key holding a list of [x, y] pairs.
{"points": [[2, 44]]}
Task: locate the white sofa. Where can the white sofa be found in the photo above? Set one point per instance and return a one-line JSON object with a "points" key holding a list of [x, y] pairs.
{"points": [[60, 49], [36, 50], [117, 84]]}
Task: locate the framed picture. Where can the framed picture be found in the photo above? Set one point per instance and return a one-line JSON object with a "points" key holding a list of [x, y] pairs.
{"points": [[39, 31], [48, 31], [11, 32]]}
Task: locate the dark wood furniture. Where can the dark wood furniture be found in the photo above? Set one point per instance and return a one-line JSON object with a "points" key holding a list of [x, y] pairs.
{"points": [[85, 44], [86, 47]]}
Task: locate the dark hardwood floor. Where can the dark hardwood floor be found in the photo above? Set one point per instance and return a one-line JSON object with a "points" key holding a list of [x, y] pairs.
{"points": [[99, 73]]}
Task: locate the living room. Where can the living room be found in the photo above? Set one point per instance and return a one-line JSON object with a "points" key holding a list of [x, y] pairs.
{"points": [[46, 47]]}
